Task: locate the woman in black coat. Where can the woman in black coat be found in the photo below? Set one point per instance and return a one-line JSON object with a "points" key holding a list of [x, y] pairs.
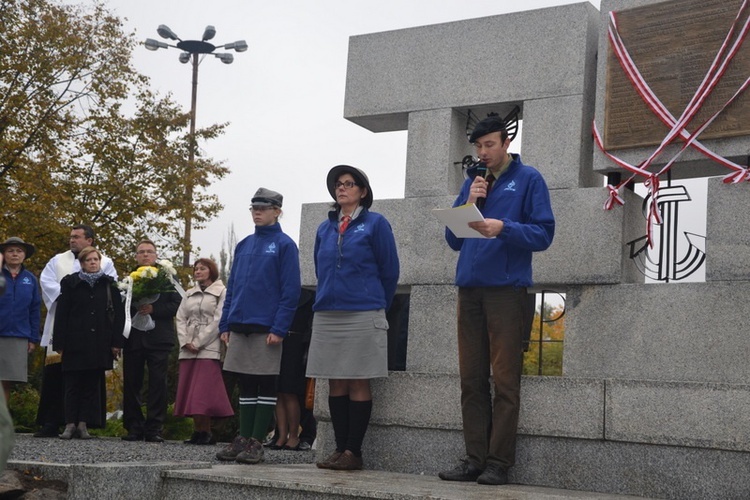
{"points": [[88, 330]]}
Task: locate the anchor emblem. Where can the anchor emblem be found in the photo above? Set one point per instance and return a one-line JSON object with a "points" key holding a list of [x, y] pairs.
{"points": [[671, 265]]}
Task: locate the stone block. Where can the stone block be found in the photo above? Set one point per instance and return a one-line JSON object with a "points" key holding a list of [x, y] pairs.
{"points": [[550, 406], [557, 140], [727, 235], [713, 416], [432, 346], [122, 480], [408, 399], [688, 332], [393, 73], [437, 140], [642, 470], [562, 406], [590, 243]]}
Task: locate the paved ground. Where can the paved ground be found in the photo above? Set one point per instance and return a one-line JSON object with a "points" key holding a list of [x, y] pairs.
{"points": [[102, 450]]}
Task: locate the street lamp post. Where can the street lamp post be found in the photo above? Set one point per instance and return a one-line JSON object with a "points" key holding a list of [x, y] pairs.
{"points": [[193, 50]]}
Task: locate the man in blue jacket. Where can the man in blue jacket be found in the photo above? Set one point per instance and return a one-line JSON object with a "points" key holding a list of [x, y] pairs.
{"points": [[492, 276]]}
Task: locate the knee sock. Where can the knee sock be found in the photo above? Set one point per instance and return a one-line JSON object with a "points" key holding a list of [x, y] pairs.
{"points": [[248, 409], [359, 419], [263, 417], [339, 408]]}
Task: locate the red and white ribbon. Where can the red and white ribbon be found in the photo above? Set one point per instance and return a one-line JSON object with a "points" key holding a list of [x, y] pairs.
{"points": [[677, 126]]}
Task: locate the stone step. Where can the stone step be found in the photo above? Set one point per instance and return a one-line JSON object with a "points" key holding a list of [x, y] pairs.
{"points": [[305, 481]]}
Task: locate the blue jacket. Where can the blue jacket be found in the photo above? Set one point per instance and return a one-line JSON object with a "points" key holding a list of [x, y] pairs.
{"points": [[20, 306], [520, 199], [359, 272], [264, 285]]}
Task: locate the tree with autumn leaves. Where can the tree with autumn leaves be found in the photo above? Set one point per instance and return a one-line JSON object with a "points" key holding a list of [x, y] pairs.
{"points": [[549, 352], [83, 139]]}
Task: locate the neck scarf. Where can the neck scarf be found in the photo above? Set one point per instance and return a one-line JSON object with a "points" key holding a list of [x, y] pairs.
{"points": [[91, 278]]}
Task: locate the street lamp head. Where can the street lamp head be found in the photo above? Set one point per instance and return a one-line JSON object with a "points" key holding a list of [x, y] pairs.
{"points": [[165, 32], [152, 44], [184, 57], [209, 33], [225, 58], [238, 46]]}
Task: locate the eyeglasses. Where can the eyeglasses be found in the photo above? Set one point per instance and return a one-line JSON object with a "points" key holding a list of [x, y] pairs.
{"points": [[346, 184], [145, 252]]}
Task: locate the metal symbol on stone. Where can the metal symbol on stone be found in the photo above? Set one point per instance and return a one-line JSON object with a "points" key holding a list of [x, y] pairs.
{"points": [[679, 257], [511, 122]]}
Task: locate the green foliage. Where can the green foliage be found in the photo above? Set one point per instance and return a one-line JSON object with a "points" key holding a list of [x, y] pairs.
{"points": [[177, 428], [112, 428], [23, 403], [553, 334], [71, 153]]}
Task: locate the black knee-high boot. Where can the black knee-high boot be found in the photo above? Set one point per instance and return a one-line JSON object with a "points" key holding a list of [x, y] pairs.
{"points": [[359, 419], [339, 408]]}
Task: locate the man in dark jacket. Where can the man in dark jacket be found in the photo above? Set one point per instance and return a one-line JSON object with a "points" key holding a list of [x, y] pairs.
{"points": [[148, 349]]}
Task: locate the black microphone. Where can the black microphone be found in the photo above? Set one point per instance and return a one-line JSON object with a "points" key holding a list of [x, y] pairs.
{"points": [[481, 172]]}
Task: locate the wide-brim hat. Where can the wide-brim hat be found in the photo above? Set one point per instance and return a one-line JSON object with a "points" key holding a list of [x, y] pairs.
{"points": [[359, 176], [15, 241]]}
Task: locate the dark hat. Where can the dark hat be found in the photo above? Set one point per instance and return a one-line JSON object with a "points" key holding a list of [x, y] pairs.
{"points": [[490, 124], [267, 198], [15, 241], [359, 177]]}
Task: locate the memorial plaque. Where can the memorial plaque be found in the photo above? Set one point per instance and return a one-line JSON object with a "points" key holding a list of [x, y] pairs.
{"points": [[673, 45]]}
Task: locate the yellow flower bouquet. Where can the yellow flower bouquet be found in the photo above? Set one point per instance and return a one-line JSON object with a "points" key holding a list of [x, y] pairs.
{"points": [[143, 286]]}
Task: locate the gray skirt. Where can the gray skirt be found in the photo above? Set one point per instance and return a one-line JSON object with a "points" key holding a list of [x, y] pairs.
{"points": [[348, 345], [248, 353], [14, 357]]}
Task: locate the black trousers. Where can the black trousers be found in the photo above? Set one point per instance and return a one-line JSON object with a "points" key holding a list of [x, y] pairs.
{"points": [[51, 411], [135, 362], [83, 397]]}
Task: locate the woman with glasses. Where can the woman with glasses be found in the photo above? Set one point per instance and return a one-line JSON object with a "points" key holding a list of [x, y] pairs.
{"points": [[261, 300], [19, 312], [199, 393], [357, 267]]}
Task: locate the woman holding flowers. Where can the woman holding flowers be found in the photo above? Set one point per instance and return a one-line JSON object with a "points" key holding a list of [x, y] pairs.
{"points": [[89, 320], [199, 393], [261, 300], [148, 345]]}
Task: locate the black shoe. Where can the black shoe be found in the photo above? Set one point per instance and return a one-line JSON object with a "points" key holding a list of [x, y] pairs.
{"points": [[493, 474], [464, 471], [154, 438], [193, 439], [47, 431], [133, 436], [205, 438]]}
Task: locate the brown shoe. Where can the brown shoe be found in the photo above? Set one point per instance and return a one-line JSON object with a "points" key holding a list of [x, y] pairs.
{"points": [[252, 454], [232, 449], [326, 464], [347, 461]]}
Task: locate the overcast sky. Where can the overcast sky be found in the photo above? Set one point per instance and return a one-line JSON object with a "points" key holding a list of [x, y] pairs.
{"points": [[284, 97]]}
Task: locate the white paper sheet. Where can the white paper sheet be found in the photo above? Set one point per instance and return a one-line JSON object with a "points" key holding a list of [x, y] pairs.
{"points": [[457, 219]]}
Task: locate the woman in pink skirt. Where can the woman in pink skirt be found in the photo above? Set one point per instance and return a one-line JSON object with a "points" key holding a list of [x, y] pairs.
{"points": [[200, 391]]}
